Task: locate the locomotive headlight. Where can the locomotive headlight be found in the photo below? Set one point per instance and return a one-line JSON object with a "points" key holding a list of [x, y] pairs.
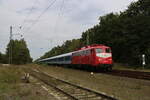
{"points": [[100, 59]]}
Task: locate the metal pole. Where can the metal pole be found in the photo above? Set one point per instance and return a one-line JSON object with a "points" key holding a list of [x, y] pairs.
{"points": [[10, 47], [87, 38]]}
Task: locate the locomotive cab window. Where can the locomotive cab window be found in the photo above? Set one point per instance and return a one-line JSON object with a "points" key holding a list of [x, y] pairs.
{"points": [[107, 50], [99, 50]]}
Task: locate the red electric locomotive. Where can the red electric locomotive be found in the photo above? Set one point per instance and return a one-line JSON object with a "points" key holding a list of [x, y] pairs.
{"points": [[97, 56]]}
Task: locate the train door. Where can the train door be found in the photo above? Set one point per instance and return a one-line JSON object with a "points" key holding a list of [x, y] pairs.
{"points": [[92, 57]]}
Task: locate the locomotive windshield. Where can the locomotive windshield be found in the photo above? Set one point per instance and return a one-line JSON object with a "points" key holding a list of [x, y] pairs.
{"points": [[99, 50], [103, 53]]}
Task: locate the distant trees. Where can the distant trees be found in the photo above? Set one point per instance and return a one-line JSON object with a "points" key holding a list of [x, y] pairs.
{"points": [[3, 58], [128, 33], [68, 46], [19, 53]]}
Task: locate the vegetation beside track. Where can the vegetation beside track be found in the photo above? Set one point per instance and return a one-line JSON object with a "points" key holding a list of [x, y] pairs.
{"points": [[12, 87], [9, 78], [119, 66]]}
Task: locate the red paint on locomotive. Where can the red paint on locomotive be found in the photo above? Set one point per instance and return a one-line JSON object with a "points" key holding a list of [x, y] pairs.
{"points": [[94, 55]]}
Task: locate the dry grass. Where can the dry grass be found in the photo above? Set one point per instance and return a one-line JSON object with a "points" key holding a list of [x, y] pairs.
{"points": [[123, 67], [9, 78], [13, 88]]}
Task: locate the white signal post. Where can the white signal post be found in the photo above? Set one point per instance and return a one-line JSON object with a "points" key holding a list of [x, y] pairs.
{"points": [[143, 60]]}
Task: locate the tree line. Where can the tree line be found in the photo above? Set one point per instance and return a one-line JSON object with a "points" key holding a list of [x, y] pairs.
{"points": [[16, 53], [127, 33]]}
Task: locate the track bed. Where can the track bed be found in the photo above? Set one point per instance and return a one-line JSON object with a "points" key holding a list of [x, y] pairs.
{"points": [[130, 74], [123, 88], [69, 91]]}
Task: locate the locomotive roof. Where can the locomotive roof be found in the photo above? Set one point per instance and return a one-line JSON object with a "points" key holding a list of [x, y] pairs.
{"points": [[92, 46]]}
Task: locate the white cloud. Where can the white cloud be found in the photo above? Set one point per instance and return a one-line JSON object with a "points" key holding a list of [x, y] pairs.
{"points": [[56, 25]]}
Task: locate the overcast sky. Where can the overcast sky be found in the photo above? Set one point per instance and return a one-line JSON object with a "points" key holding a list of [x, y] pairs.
{"points": [[43, 29]]}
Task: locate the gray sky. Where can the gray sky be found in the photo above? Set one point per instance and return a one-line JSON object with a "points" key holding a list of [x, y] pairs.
{"points": [[64, 20]]}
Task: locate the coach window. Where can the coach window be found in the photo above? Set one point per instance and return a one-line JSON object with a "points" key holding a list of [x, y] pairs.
{"points": [[81, 53], [88, 52], [78, 54], [84, 53], [69, 58]]}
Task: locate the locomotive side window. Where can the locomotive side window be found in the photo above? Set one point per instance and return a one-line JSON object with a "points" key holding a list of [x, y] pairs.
{"points": [[99, 50], [82, 53], [108, 50], [87, 52]]}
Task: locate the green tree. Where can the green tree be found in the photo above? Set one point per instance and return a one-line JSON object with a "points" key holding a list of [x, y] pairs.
{"points": [[3, 58], [20, 52]]}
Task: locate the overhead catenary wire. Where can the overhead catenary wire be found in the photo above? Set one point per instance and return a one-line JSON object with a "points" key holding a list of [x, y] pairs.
{"points": [[42, 13], [29, 13], [60, 12], [59, 15], [26, 17]]}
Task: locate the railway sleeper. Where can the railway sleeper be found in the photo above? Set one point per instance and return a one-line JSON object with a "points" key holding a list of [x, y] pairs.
{"points": [[64, 86], [84, 96], [68, 89], [79, 93], [89, 96], [83, 92], [92, 98]]}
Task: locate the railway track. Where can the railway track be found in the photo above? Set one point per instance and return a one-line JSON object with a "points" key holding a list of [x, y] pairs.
{"points": [[130, 74], [69, 91]]}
